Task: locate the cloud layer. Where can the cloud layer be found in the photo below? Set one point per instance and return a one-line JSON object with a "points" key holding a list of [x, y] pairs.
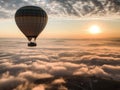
{"points": [[64, 8], [20, 68]]}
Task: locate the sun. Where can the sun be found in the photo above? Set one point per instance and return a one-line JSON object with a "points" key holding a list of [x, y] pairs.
{"points": [[95, 29]]}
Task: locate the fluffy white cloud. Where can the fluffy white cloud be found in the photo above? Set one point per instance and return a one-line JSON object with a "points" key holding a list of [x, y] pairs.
{"points": [[40, 87], [31, 69]]}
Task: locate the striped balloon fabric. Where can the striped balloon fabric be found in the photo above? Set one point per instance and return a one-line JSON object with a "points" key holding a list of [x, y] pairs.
{"points": [[31, 20]]}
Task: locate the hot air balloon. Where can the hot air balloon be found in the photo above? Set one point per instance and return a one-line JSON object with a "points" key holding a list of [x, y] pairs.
{"points": [[31, 20]]}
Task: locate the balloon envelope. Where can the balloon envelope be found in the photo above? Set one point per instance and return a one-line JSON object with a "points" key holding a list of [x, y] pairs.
{"points": [[31, 20]]}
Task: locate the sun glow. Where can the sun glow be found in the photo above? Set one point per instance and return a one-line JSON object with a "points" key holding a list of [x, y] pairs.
{"points": [[94, 29]]}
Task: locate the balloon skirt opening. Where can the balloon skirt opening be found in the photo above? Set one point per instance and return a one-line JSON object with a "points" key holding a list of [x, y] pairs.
{"points": [[32, 44]]}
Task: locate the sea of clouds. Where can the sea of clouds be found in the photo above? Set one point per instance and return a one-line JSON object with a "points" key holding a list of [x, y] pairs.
{"points": [[64, 8], [20, 65]]}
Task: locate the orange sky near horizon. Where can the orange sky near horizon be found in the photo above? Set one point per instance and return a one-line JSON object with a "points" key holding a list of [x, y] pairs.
{"points": [[63, 28]]}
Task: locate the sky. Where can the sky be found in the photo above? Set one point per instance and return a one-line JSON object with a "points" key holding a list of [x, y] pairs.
{"points": [[66, 18], [21, 66]]}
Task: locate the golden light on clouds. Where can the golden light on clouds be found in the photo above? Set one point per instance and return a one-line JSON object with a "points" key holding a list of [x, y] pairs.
{"points": [[94, 29]]}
